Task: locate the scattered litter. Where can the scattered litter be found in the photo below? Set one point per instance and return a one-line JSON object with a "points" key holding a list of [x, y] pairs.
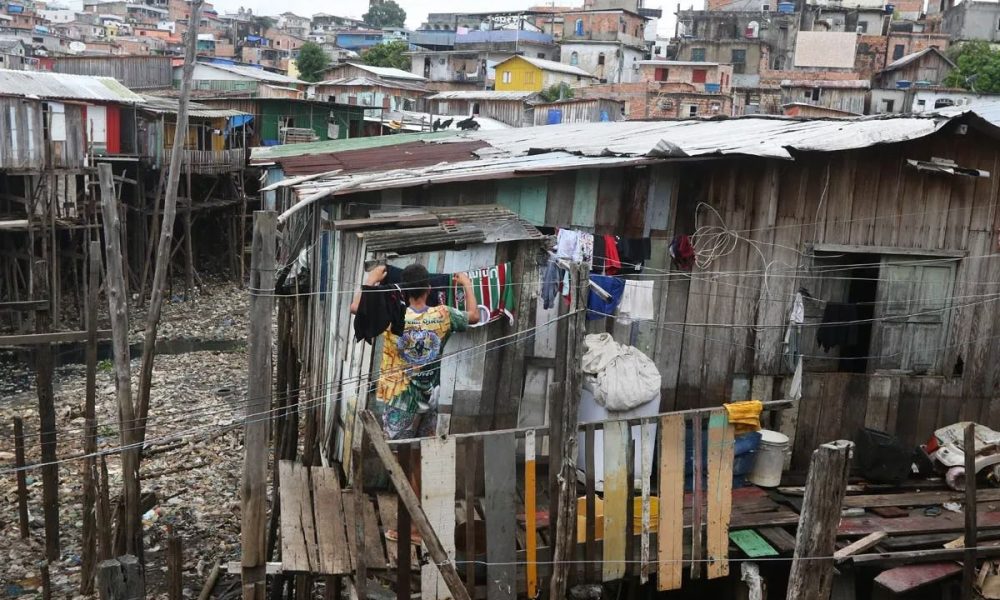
{"points": [[952, 506]]}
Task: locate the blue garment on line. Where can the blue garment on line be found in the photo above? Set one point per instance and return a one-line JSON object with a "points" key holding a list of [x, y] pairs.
{"points": [[598, 307]]}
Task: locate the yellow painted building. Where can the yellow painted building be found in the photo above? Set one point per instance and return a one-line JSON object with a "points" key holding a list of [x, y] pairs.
{"points": [[526, 74]]}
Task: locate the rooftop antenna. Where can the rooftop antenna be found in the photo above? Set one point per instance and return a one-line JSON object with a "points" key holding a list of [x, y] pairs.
{"points": [[971, 82]]}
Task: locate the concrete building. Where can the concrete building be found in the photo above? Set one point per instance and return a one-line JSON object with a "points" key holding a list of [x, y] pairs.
{"points": [[608, 44], [295, 25], [686, 76], [972, 20], [748, 40]]}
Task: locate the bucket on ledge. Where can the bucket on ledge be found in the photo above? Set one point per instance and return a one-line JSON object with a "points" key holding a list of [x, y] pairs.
{"points": [[770, 459]]}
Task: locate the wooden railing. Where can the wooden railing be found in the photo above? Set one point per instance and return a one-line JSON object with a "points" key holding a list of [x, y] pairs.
{"points": [[214, 161]]}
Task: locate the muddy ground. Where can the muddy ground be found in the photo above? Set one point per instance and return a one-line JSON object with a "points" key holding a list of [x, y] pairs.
{"points": [[197, 401]]}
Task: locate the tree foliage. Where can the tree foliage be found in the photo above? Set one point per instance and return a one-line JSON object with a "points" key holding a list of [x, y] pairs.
{"points": [[556, 92], [385, 14], [977, 68], [391, 54], [312, 61]]}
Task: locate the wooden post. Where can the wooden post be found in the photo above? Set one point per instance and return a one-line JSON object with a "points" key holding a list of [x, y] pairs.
{"points": [[89, 543], [257, 426], [188, 241], [22, 483], [565, 540], [175, 568], [164, 248], [403, 531], [131, 523], [408, 497], [103, 514], [47, 422], [120, 579], [46, 581], [358, 498], [812, 569], [110, 580], [969, 558]]}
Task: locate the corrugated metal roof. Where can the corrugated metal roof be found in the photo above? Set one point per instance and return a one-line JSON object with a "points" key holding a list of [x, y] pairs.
{"points": [[529, 150], [271, 153], [386, 72], [905, 60], [404, 156], [756, 136], [63, 86], [846, 84], [551, 65], [160, 104], [368, 81], [254, 73], [482, 95], [458, 225]]}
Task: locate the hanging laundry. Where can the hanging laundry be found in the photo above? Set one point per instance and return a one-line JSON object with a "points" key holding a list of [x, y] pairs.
{"points": [[551, 280], [682, 252], [439, 284], [637, 300], [744, 416], [381, 307], [612, 262], [798, 312], [566, 243], [634, 252], [584, 247], [599, 307], [839, 327], [793, 333], [597, 264], [493, 290]]}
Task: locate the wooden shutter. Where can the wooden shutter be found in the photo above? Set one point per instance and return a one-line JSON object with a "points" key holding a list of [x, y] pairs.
{"points": [[911, 314]]}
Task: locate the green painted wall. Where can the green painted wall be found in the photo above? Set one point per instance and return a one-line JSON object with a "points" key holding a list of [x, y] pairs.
{"points": [[314, 115]]}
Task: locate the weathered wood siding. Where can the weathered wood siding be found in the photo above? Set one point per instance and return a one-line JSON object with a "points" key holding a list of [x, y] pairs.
{"points": [[33, 136], [718, 332]]}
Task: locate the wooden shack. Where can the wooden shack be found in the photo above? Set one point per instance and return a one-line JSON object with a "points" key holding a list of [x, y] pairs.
{"points": [[843, 271], [857, 212]]}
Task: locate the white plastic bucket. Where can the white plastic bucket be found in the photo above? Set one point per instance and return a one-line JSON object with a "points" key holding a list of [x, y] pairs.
{"points": [[770, 459]]}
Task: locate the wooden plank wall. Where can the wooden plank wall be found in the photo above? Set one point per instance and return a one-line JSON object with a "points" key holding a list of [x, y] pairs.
{"points": [[865, 197]]}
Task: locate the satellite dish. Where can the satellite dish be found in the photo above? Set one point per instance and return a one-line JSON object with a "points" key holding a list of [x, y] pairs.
{"points": [[77, 47]]}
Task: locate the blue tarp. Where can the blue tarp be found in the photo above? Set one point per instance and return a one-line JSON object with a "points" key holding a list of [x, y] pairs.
{"points": [[237, 121]]}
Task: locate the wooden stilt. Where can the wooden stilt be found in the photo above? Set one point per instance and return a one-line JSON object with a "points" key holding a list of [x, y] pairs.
{"points": [[118, 309], [175, 567], [22, 485], [47, 424], [812, 568], [188, 239], [103, 514], [89, 543]]}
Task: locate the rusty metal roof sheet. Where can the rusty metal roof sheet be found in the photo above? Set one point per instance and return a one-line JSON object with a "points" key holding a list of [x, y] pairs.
{"points": [[170, 106], [482, 95], [536, 150], [37, 84], [402, 156], [457, 226]]}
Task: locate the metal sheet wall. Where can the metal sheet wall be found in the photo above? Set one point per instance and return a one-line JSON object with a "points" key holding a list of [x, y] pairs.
{"points": [[134, 72]]}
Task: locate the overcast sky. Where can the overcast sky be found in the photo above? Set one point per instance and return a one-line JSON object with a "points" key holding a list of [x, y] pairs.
{"points": [[416, 10]]}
